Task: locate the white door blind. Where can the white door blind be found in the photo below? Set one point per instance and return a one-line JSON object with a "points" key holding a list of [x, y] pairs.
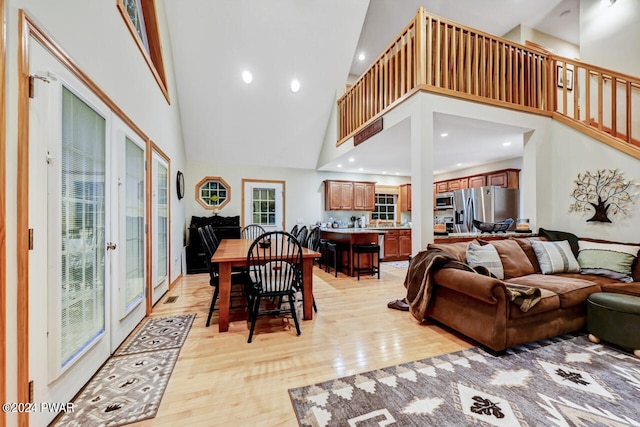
{"points": [[135, 193], [83, 226]]}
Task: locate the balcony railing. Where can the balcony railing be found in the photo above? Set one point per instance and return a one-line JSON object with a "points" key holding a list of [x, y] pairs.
{"points": [[436, 55]]}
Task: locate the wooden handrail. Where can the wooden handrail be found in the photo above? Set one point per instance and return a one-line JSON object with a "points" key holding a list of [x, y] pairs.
{"points": [[440, 56]]}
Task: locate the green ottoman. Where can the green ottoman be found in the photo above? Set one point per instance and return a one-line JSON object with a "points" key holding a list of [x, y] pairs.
{"points": [[614, 318]]}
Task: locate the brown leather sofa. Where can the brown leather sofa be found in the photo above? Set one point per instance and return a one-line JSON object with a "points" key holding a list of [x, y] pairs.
{"points": [[478, 306]]}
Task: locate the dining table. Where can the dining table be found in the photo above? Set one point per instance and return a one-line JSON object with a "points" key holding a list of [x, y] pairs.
{"points": [[233, 253]]}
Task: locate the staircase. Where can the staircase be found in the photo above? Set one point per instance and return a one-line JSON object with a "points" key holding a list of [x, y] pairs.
{"points": [[435, 55]]}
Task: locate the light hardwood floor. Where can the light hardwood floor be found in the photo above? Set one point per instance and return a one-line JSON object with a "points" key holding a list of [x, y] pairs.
{"points": [[221, 380]]}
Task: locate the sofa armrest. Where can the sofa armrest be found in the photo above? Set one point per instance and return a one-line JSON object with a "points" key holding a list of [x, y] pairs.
{"points": [[487, 289]]}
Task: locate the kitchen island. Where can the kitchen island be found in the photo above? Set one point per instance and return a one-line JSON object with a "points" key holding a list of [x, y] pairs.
{"points": [[349, 237], [465, 237]]}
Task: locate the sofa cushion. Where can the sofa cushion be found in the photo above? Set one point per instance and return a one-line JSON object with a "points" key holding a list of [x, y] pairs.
{"points": [[515, 262], [457, 249], [555, 257], [570, 290], [548, 301], [525, 244], [607, 259], [556, 236], [486, 256]]}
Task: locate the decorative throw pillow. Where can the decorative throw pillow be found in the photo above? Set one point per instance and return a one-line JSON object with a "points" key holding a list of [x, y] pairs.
{"points": [[486, 256], [556, 236], [607, 259], [514, 261], [555, 257]]}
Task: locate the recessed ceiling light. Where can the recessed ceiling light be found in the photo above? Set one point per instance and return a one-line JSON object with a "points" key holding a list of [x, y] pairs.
{"points": [[444, 134], [340, 165], [361, 57], [295, 85], [397, 173], [247, 77], [506, 144], [458, 164], [351, 159], [360, 170], [384, 172]]}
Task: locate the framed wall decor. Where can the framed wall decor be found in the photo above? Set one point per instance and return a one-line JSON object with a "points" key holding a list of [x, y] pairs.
{"points": [[561, 79]]}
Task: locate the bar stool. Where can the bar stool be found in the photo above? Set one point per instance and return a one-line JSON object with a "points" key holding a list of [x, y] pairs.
{"points": [[333, 254], [371, 249], [322, 248]]}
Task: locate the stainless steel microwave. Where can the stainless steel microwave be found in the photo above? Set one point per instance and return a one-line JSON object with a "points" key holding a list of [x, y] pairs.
{"points": [[444, 201]]}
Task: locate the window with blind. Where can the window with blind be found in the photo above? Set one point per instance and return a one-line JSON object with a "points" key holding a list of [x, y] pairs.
{"points": [[82, 226], [385, 209], [134, 231]]}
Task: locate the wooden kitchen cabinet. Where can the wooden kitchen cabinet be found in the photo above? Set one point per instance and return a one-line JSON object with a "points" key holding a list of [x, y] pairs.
{"points": [[405, 198], [397, 244], [477, 181], [349, 196], [338, 195], [508, 178], [442, 187], [364, 196]]}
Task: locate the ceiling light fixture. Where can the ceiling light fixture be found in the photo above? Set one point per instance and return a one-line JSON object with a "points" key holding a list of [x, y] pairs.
{"points": [[360, 170], [247, 77], [295, 85], [458, 164], [361, 57], [340, 165], [506, 144], [384, 172], [351, 159], [444, 134]]}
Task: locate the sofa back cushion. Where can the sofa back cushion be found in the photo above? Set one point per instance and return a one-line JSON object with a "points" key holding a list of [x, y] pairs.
{"points": [[608, 259], [525, 244], [515, 262], [556, 236], [457, 249], [555, 257]]}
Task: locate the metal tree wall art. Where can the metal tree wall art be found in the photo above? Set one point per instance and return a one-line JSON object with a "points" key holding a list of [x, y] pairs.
{"points": [[603, 192]]}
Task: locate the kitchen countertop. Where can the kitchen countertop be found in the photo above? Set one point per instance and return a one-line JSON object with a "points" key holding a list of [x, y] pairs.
{"points": [[478, 235], [354, 230]]}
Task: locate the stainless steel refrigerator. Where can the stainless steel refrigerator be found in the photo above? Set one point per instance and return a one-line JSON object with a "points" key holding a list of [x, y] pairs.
{"points": [[486, 204]]}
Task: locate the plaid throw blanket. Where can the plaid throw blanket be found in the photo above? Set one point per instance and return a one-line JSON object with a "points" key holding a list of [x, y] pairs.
{"points": [[419, 282]]}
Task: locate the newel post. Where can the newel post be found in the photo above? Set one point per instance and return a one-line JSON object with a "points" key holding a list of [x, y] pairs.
{"points": [[421, 46]]}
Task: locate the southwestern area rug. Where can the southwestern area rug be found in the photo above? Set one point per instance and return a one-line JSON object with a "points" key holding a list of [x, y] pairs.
{"points": [[130, 385], [565, 381]]}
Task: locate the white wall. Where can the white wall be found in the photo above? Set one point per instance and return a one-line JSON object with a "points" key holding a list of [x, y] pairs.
{"points": [[574, 153], [304, 189], [95, 37], [609, 35]]}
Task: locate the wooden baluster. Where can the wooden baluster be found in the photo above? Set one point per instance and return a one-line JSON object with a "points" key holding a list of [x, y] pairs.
{"points": [[600, 100], [614, 118]]}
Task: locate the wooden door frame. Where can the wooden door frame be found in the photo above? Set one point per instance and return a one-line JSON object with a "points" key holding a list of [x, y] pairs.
{"points": [[27, 29], [284, 198], [3, 219]]}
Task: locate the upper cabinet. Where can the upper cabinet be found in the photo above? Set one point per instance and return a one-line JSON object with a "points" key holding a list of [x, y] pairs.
{"points": [[507, 178], [405, 198], [349, 196]]}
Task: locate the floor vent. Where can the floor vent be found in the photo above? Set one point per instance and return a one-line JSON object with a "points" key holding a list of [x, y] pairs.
{"points": [[171, 300]]}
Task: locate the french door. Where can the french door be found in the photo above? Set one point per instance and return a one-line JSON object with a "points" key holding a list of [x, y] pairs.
{"points": [[160, 225], [86, 212], [263, 203]]}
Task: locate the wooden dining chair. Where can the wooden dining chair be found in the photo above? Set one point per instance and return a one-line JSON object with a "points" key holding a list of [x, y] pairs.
{"points": [[252, 231], [274, 262]]}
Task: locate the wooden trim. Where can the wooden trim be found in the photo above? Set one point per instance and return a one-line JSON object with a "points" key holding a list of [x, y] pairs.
{"points": [[153, 58], [284, 198], [175, 282], [22, 208], [631, 150], [149, 223], [3, 219]]}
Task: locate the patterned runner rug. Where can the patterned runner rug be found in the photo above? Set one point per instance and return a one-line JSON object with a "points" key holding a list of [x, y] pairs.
{"points": [[558, 382], [130, 385]]}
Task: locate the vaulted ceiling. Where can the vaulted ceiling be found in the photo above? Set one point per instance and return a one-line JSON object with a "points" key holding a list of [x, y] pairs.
{"points": [[316, 42]]}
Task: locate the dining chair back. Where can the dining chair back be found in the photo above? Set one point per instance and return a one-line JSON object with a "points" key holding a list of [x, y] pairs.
{"points": [[252, 231], [303, 233], [274, 262]]}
